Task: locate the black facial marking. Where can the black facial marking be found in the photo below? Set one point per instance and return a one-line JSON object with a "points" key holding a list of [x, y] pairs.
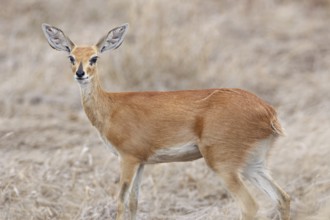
{"points": [[80, 68], [80, 72]]}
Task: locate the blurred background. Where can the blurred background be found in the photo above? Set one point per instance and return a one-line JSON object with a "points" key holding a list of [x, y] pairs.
{"points": [[53, 165]]}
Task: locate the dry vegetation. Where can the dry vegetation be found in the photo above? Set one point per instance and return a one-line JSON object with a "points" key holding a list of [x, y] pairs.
{"points": [[53, 165]]}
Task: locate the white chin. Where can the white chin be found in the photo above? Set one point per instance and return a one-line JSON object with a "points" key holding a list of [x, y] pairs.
{"points": [[83, 81]]}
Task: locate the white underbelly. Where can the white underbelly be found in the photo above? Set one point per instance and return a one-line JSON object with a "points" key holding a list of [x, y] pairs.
{"points": [[183, 152]]}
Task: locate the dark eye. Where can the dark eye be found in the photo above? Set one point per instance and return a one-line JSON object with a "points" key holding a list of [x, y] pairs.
{"points": [[93, 60], [72, 60]]}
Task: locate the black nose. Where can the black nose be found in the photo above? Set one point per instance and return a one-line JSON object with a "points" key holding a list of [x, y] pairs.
{"points": [[80, 72]]}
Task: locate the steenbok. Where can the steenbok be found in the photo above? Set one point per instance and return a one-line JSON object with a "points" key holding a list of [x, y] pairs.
{"points": [[232, 129]]}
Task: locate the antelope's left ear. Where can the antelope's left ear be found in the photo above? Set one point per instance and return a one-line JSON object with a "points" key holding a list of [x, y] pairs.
{"points": [[113, 39]]}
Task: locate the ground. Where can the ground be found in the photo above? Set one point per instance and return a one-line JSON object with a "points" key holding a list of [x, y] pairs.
{"points": [[53, 164]]}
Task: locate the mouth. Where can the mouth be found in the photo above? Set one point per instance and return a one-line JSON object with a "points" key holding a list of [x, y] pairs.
{"points": [[82, 80]]}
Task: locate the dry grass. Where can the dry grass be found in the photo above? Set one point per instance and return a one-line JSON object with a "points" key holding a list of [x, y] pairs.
{"points": [[53, 165]]}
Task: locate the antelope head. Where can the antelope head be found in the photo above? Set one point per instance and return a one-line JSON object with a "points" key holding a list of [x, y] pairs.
{"points": [[83, 59]]}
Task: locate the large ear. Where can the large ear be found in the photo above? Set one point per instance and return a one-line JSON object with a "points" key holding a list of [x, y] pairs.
{"points": [[113, 39], [56, 38]]}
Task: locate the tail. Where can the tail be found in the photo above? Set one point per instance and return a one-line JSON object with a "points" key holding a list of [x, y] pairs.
{"points": [[277, 128]]}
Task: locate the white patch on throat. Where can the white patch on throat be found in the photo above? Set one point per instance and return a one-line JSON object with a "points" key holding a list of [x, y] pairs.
{"points": [[85, 88], [181, 152]]}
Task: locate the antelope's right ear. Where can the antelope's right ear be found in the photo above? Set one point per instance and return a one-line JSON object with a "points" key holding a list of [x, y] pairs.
{"points": [[57, 39]]}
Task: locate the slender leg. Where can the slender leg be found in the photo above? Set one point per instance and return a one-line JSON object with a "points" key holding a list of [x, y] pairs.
{"points": [[257, 173], [134, 192], [242, 195], [227, 167], [129, 168], [264, 181], [284, 202]]}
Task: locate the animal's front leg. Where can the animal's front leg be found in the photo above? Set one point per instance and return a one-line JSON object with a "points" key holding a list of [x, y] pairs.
{"points": [[134, 192], [129, 169]]}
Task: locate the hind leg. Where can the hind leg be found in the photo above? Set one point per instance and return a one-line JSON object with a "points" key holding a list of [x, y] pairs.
{"points": [[264, 181], [227, 168], [257, 173], [239, 191]]}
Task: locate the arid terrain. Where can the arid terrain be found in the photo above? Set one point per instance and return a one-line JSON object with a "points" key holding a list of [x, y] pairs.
{"points": [[53, 164]]}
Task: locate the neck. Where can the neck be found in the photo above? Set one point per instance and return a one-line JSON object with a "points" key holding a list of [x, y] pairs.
{"points": [[96, 101]]}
